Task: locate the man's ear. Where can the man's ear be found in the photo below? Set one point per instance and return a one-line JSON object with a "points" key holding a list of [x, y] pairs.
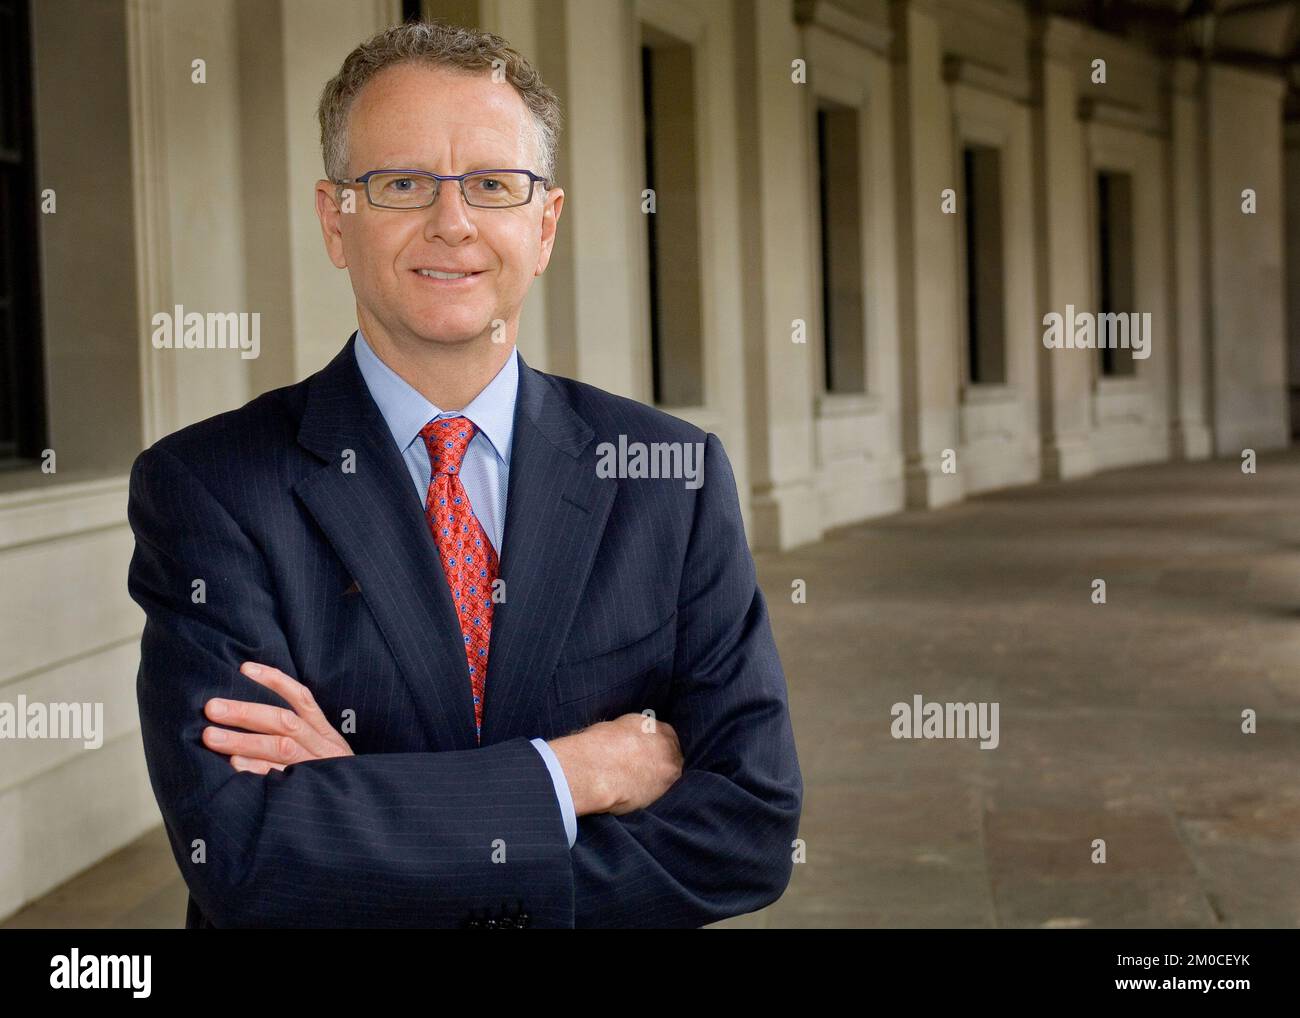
{"points": [[550, 221], [330, 213]]}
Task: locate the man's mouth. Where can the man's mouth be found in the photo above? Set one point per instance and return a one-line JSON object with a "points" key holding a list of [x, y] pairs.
{"points": [[446, 276]]}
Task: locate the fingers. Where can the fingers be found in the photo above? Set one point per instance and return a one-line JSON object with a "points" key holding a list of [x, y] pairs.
{"points": [[292, 692], [267, 719], [275, 736], [272, 748], [241, 763]]}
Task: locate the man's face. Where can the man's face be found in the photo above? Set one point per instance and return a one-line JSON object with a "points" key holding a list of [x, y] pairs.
{"points": [[415, 117]]}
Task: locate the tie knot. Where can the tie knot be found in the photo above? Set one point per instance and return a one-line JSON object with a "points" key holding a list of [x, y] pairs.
{"points": [[447, 440]]}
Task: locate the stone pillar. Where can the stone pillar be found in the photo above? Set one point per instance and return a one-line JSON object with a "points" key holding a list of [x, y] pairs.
{"points": [[597, 319], [927, 249], [1064, 227], [778, 276], [1189, 432], [1247, 311]]}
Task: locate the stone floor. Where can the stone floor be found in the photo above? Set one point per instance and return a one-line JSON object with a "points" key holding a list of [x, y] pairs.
{"points": [[1119, 722]]}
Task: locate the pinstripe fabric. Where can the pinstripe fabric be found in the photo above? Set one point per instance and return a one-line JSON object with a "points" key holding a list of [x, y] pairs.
{"points": [[621, 595]]}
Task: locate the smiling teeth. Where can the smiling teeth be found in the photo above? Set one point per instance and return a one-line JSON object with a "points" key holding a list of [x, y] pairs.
{"points": [[443, 275]]}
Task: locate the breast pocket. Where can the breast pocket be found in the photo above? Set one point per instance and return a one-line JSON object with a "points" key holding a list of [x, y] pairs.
{"points": [[618, 680]]}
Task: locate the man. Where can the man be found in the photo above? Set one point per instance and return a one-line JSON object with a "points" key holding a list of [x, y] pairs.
{"points": [[415, 655]]}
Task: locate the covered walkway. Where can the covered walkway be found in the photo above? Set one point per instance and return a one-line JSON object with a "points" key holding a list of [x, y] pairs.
{"points": [[1120, 721]]}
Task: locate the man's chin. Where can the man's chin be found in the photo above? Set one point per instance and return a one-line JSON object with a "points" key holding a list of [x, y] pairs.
{"points": [[446, 334]]}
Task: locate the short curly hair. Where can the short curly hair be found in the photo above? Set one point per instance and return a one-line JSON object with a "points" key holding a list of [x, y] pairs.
{"points": [[440, 45]]}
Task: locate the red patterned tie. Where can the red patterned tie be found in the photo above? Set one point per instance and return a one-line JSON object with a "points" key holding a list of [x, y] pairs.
{"points": [[468, 559]]}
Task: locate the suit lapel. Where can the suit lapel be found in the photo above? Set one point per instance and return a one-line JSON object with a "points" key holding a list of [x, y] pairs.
{"points": [[375, 522], [556, 509], [556, 513]]}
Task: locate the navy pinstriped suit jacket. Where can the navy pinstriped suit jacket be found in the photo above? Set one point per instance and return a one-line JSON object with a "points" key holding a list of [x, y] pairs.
{"points": [[621, 595]]}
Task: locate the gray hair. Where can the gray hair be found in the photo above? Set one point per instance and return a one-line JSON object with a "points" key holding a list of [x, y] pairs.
{"points": [[437, 44]]}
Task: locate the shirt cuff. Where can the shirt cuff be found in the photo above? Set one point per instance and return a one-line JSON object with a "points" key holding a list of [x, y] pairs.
{"points": [[561, 789]]}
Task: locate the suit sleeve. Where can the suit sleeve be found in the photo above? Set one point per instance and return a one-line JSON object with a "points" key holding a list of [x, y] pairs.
{"points": [[718, 843], [377, 840]]}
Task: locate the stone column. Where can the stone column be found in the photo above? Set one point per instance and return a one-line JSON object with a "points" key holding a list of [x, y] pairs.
{"points": [[778, 276], [1063, 225], [1247, 311], [1189, 432], [597, 319], [924, 165]]}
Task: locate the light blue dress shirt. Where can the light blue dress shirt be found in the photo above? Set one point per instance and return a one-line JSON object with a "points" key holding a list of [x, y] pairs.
{"points": [[485, 472]]}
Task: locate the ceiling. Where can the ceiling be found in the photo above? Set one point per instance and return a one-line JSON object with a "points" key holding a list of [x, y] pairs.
{"points": [[1265, 31], [1262, 35]]}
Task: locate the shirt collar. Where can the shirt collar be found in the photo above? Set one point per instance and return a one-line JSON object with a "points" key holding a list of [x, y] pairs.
{"points": [[406, 411]]}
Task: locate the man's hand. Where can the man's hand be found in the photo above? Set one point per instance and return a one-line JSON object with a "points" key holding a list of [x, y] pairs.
{"points": [[280, 737], [621, 765]]}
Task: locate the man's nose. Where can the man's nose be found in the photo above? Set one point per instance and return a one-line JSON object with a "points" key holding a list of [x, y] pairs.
{"points": [[448, 216]]}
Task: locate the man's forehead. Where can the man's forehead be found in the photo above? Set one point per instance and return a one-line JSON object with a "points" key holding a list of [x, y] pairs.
{"points": [[475, 116], [485, 149], [411, 87]]}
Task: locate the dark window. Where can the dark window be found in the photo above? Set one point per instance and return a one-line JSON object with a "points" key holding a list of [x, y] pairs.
{"points": [[839, 189], [985, 326], [673, 229], [22, 388], [1115, 275], [648, 120]]}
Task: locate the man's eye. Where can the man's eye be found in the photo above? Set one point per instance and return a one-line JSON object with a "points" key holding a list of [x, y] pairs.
{"points": [[397, 184]]}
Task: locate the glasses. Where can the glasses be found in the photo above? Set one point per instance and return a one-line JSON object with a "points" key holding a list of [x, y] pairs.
{"points": [[416, 189]]}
